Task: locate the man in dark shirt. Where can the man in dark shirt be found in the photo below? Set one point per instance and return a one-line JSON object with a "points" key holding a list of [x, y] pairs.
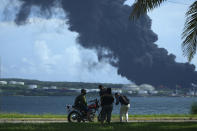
{"points": [[107, 106], [102, 90]]}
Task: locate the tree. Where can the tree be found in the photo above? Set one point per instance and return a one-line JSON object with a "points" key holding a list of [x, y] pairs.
{"points": [[189, 34]]}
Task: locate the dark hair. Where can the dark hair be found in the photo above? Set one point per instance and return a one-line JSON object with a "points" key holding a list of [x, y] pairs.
{"points": [[108, 90], [116, 93], [100, 86], [83, 91]]}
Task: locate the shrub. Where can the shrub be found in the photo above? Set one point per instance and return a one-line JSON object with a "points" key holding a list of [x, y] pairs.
{"points": [[193, 109]]}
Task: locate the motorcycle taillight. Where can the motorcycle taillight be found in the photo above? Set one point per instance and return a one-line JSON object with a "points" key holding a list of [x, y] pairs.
{"points": [[92, 106]]}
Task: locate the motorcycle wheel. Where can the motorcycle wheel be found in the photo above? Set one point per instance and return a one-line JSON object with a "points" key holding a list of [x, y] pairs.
{"points": [[74, 116], [91, 117]]}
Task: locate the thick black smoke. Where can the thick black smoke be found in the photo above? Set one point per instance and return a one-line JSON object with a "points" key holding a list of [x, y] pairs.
{"points": [[105, 24]]}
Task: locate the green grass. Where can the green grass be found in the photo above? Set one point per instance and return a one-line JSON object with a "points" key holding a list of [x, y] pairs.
{"points": [[17, 115], [99, 127], [115, 126]]}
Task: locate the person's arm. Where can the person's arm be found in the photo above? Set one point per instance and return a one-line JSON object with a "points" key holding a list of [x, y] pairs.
{"points": [[84, 100], [117, 101], [112, 99], [102, 100], [76, 101], [100, 93]]}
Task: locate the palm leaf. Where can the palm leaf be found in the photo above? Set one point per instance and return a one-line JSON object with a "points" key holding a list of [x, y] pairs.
{"points": [[141, 7], [189, 34]]}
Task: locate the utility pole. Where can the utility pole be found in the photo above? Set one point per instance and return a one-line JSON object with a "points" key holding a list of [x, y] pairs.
{"points": [[0, 89], [0, 67]]}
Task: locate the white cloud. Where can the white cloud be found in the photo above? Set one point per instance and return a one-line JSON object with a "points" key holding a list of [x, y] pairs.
{"points": [[9, 9], [47, 50]]}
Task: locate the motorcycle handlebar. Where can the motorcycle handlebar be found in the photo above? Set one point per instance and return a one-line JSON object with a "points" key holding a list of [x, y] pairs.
{"points": [[94, 100]]}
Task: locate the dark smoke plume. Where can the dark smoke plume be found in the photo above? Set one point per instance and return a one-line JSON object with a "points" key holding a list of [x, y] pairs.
{"points": [[105, 24]]}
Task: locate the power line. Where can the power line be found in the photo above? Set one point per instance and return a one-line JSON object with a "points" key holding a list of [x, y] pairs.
{"points": [[180, 3]]}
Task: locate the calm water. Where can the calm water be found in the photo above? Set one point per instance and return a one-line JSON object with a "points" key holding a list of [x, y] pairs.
{"points": [[55, 104]]}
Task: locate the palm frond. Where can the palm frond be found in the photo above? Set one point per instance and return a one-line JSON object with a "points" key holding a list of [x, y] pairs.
{"points": [[189, 34], [141, 7]]}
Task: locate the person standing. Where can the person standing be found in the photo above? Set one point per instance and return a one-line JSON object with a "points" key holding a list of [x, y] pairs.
{"points": [[125, 105], [102, 90], [107, 106]]}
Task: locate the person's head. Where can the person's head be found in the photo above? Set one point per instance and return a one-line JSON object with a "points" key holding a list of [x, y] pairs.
{"points": [[100, 87], [108, 90], [83, 91], [117, 95]]}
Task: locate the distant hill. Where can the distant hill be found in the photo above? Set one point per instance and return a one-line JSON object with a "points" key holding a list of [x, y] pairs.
{"points": [[62, 88], [62, 84]]}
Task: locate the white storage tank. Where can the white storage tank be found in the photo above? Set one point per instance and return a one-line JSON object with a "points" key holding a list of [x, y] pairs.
{"points": [[32, 86], [12, 82], [45, 88], [20, 83], [142, 92], [53, 87], [3, 83]]}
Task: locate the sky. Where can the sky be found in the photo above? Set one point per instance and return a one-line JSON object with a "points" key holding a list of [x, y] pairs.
{"points": [[168, 22], [44, 49]]}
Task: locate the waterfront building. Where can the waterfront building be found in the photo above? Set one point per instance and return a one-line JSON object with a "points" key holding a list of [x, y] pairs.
{"points": [[53, 87], [32, 86]]}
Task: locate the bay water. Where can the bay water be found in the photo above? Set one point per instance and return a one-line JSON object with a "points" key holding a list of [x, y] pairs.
{"points": [[56, 104]]}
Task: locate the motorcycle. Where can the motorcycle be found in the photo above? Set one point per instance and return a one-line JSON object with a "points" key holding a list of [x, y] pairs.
{"points": [[77, 115]]}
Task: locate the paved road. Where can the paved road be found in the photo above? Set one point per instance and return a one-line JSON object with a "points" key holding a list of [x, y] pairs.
{"points": [[63, 120]]}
